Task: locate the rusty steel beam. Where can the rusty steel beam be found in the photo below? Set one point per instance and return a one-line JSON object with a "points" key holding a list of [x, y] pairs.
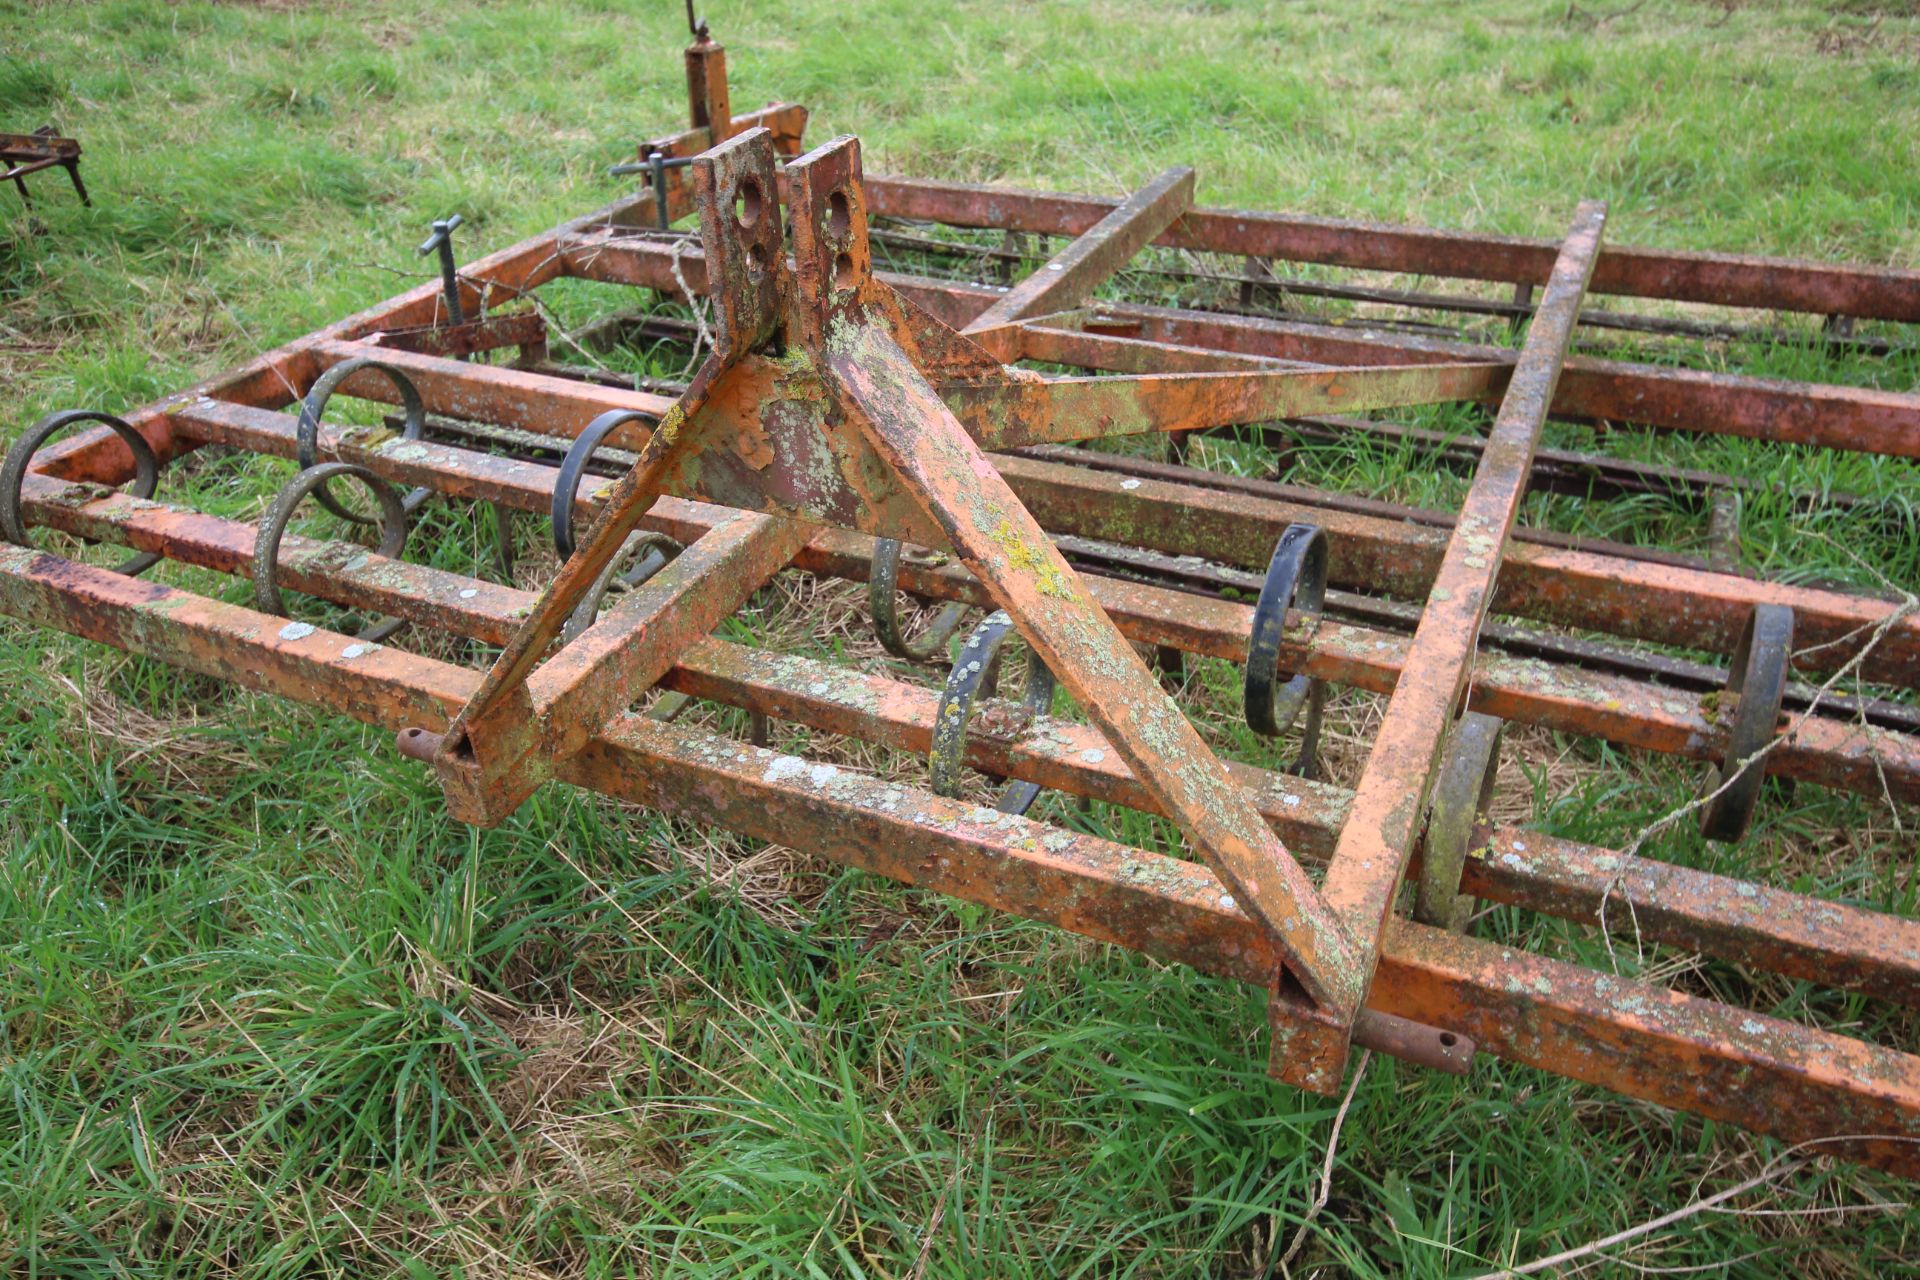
{"points": [[1664, 604], [1762, 1073], [1000, 543], [1095, 254], [281, 376], [998, 417], [707, 97], [1829, 943], [526, 330], [604, 669], [1391, 799], [1179, 474], [1061, 342], [1626, 711], [1059, 410], [1667, 604], [787, 121], [881, 391], [1562, 471], [1568, 471], [508, 397], [1858, 419], [1851, 418], [1258, 283], [1716, 279]]}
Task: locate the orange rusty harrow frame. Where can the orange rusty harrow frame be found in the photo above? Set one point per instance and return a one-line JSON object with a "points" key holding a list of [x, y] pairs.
{"points": [[842, 411]]}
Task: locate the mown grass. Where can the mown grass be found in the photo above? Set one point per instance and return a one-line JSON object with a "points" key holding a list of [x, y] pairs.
{"points": [[265, 1011]]}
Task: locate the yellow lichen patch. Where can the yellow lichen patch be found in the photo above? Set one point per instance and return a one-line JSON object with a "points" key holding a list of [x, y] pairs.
{"points": [[368, 437], [794, 362], [1030, 560]]}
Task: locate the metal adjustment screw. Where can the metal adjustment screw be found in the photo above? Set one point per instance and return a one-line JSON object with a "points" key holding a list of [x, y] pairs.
{"points": [[442, 240]]}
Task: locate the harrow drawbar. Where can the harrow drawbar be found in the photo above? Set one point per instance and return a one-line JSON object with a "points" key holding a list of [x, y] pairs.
{"points": [[896, 428]]}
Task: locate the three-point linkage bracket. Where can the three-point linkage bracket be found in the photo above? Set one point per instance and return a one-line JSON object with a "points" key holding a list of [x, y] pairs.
{"points": [[830, 399]]}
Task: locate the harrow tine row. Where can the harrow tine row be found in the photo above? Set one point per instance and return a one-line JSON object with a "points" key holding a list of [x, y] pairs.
{"points": [[1622, 710], [1762, 1073], [1786, 933]]}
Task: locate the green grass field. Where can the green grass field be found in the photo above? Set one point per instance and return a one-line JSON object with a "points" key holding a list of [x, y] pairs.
{"points": [[266, 1011]]}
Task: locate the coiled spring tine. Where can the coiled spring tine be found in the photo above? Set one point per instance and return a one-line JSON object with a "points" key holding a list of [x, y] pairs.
{"points": [[1296, 579], [977, 669], [503, 542], [650, 551], [1462, 790], [1756, 683], [566, 485], [13, 475], [884, 603], [314, 407], [392, 521]]}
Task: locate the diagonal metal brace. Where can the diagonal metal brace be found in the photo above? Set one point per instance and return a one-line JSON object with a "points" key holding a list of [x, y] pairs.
{"points": [[503, 743], [880, 391]]}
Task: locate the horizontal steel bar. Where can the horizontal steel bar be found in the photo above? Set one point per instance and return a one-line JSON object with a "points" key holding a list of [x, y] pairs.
{"points": [[1772, 1076], [1663, 604], [1860, 419], [1252, 288], [1827, 943], [1057, 410], [1584, 475], [279, 377], [1618, 709], [1199, 577], [1022, 413], [1355, 504], [1836, 417], [519, 398], [1719, 279]]}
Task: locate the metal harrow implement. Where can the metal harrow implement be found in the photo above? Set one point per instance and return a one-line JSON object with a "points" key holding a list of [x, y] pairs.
{"points": [[898, 429]]}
